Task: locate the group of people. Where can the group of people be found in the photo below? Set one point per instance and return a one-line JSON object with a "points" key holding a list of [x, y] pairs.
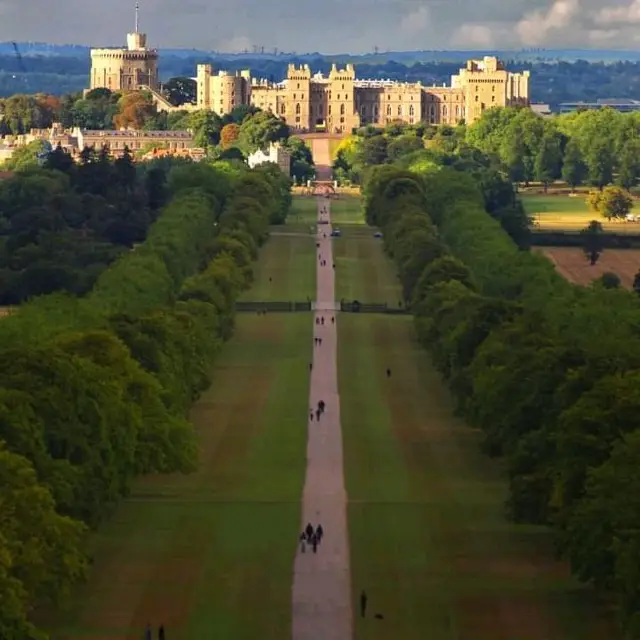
{"points": [[311, 536], [319, 410], [148, 634]]}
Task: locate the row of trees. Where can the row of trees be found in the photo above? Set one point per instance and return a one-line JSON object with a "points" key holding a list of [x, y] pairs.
{"points": [[63, 223], [547, 370], [595, 147], [95, 391]]}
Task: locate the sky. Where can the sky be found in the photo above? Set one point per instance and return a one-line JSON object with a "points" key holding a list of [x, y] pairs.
{"points": [[357, 26]]}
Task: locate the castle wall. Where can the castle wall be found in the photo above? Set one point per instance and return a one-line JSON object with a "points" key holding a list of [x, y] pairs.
{"points": [[339, 103]]}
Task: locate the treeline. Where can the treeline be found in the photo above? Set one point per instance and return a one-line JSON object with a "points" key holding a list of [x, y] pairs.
{"points": [[95, 391], [63, 223], [547, 370]]}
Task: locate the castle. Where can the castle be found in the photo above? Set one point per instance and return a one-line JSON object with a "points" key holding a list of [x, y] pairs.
{"points": [[337, 103], [340, 102], [133, 68]]}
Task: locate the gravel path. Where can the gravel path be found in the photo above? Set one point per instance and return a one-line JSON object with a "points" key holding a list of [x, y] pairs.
{"points": [[322, 581]]}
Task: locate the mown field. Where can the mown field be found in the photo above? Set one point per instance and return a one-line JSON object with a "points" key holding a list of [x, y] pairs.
{"points": [[210, 555], [574, 266], [563, 212], [429, 541]]}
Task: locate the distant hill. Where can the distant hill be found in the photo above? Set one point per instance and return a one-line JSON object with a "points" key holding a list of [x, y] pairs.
{"points": [[33, 49]]}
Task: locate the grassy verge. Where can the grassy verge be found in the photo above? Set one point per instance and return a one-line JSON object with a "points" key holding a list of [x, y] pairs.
{"points": [[429, 541]]}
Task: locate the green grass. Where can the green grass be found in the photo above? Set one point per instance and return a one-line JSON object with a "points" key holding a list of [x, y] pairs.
{"points": [[429, 540], [362, 271], [563, 212], [287, 269], [210, 554], [347, 209]]}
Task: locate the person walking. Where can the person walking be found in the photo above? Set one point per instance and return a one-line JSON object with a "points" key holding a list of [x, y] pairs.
{"points": [[147, 632], [311, 415], [319, 533], [333, 320], [318, 412], [303, 542], [309, 531], [388, 372], [363, 604], [314, 542], [161, 632]]}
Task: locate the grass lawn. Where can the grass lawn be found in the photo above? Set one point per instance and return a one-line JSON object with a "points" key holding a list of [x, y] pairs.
{"points": [[563, 212], [287, 268], [347, 209], [362, 270], [210, 554]]}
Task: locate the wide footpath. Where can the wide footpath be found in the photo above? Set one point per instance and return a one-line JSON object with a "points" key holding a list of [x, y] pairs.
{"points": [[321, 581]]}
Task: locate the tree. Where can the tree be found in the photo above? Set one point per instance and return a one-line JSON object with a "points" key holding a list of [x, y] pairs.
{"points": [[611, 202], [229, 135], [180, 90], [592, 241], [599, 159], [372, 151], [610, 280], [261, 129], [629, 169], [402, 145], [548, 160], [135, 109], [574, 170]]}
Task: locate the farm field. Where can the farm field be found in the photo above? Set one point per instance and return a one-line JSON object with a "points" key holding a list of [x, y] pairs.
{"points": [[563, 212], [573, 265], [428, 537], [210, 554]]}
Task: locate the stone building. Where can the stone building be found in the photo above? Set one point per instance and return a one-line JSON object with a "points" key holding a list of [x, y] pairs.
{"points": [[339, 102], [116, 141], [275, 153], [133, 68]]}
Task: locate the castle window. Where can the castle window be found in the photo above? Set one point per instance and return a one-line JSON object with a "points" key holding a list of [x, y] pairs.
{"points": [[389, 110], [399, 109], [493, 87], [294, 96], [493, 98], [329, 109], [282, 109], [297, 109], [411, 111], [342, 119], [343, 86], [341, 109], [298, 85], [477, 98]]}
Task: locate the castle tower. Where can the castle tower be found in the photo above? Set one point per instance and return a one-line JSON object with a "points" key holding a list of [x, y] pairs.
{"points": [[298, 98], [127, 69], [203, 79], [342, 114]]}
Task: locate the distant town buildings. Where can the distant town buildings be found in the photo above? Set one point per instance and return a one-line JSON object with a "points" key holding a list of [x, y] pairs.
{"points": [[275, 153], [622, 105], [340, 102]]}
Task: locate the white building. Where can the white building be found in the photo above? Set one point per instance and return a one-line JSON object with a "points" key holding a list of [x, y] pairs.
{"points": [[275, 153]]}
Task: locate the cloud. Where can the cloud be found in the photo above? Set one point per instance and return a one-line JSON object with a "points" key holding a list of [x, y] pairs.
{"points": [[536, 26], [470, 35], [620, 14], [417, 21]]}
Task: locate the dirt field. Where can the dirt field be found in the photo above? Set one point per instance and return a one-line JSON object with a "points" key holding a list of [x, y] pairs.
{"points": [[573, 265]]}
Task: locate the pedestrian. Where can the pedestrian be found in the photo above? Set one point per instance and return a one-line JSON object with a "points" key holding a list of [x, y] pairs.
{"points": [[314, 542], [388, 372], [363, 603], [320, 342], [147, 632], [334, 265], [311, 415], [322, 320], [161, 632], [319, 533], [318, 412], [270, 279], [317, 320], [309, 531], [303, 542], [311, 366], [333, 320]]}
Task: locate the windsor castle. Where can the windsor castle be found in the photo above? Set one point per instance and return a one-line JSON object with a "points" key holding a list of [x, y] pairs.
{"points": [[310, 102]]}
